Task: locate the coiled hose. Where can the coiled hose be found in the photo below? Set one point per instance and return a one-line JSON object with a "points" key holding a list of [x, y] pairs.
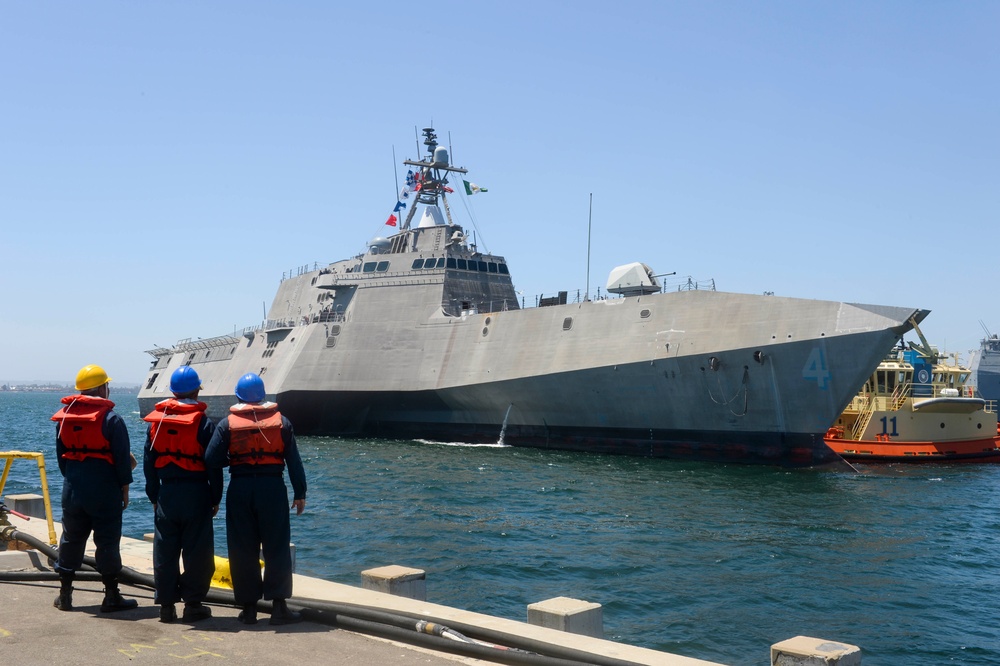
{"points": [[459, 638]]}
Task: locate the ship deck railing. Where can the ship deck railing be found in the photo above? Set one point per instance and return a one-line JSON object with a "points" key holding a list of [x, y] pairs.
{"points": [[881, 400], [411, 277]]}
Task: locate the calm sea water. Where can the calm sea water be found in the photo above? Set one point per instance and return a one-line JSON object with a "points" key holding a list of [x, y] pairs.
{"points": [[709, 561]]}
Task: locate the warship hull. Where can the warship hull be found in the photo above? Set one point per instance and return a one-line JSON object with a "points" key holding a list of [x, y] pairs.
{"points": [[655, 375], [423, 336]]}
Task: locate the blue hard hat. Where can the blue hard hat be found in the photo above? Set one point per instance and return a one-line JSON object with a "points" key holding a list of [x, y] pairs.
{"points": [[250, 388], [184, 380]]}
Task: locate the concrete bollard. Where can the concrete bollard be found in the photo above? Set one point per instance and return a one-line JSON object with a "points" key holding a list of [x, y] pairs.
{"points": [[571, 615], [397, 580], [806, 651], [29, 504]]}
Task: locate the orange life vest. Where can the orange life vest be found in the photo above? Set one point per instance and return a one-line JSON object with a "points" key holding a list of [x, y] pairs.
{"points": [[255, 435], [81, 424], [173, 433]]}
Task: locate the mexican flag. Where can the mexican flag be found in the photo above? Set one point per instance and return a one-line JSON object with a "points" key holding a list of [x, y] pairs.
{"points": [[472, 188]]}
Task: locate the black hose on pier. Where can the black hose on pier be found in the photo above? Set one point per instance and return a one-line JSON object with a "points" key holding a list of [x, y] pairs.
{"points": [[458, 638]]}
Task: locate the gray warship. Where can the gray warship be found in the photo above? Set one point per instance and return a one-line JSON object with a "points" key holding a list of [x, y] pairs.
{"points": [[985, 365], [422, 336]]}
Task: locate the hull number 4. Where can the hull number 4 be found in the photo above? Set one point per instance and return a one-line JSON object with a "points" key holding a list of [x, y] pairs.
{"points": [[816, 369]]}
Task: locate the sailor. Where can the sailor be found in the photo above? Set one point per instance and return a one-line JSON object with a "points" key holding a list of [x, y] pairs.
{"points": [[256, 442], [185, 497], [95, 458]]}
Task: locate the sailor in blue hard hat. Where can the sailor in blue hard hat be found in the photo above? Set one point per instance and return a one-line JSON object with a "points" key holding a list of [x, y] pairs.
{"points": [[257, 443], [185, 495]]}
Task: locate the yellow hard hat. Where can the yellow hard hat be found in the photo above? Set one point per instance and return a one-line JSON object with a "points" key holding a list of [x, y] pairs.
{"points": [[91, 376]]}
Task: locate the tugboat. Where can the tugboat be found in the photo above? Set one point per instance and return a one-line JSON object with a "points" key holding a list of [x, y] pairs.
{"points": [[422, 336], [918, 407]]}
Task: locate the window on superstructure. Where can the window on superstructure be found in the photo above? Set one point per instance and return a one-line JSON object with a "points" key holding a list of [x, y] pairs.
{"points": [[417, 264], [440, 263], [382, 267], [152, 380], [463, 265], [482, 266], [503, 269], [452, 263], [492, 267], [369, 267]]}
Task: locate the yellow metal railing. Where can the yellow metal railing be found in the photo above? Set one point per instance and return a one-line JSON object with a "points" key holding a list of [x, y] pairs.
{"points": [[864, 417], [40, 459], [899, 396]]}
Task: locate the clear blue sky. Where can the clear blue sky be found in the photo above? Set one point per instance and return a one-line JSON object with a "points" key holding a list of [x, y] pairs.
{"points": [[163, 163]]}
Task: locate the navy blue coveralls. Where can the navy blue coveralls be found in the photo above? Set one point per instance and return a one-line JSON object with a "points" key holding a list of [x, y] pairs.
{"points": [[257, 517], [92, 501], [182, 524]]}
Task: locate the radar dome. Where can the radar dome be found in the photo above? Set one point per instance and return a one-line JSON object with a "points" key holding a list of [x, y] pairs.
{"points": [[378, 244]]}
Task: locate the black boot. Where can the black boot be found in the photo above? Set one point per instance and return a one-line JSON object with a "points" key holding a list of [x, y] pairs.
{"points": [[64, 601], [195, 611], [249, 614], [168, 613], [281, 615], [113, 599]]}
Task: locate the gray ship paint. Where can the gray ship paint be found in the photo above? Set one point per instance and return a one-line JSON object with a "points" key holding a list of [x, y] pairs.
{"points": [[423, 336]]}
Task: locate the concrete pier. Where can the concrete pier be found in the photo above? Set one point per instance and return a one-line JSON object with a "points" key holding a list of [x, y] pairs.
{"points": [[31, 628], [34, 629]]}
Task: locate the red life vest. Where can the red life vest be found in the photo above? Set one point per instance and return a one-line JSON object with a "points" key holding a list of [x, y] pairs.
{"points": [[255, 435], [173, 433], [81, 424]]}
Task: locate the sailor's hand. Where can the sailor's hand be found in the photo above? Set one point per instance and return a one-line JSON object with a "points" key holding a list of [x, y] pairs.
{"points": [[124, 497], [300, 506], [215, 510]]}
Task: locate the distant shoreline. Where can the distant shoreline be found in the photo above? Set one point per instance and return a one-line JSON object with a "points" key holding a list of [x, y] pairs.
{"points": [[49, 388]]}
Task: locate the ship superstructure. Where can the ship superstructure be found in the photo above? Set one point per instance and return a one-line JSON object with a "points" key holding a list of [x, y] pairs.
{"points": [[422, 336]]}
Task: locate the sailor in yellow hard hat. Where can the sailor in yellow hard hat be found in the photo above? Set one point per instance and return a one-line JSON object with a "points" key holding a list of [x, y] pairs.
{"points": [[95, 458], [91, 377]]}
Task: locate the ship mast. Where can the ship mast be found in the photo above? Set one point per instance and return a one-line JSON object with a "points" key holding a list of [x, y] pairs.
{"points": [[433, 177]]}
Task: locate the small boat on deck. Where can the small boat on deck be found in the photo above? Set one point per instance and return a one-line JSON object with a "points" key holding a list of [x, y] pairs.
{"points": [[918, 407]]}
